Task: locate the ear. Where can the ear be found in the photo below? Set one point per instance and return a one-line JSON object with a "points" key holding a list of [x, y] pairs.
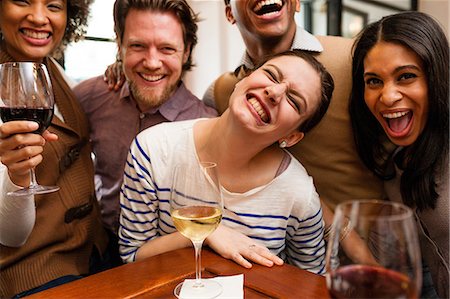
{"points": [[293, 138], [229, 14], [119, 51], [297, 5], [187, 52]]}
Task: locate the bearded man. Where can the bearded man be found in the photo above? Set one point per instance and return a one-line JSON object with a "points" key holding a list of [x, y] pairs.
{"points": [[155, 40]]}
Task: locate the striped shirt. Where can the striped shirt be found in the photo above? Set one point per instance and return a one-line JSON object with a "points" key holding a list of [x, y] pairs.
{"points": [[284, 215]]}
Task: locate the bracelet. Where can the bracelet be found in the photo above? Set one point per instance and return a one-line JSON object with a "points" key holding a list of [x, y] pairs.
{"points": [[343, 234], [345, 231], [326, 232]]}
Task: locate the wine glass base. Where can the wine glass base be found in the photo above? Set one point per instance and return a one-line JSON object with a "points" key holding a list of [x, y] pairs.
{"points": [[34, 190], [209, 289]]}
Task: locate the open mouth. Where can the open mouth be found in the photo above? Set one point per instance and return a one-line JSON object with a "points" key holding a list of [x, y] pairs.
{"points": [[268, 6], [259, 109], [152, 78], [35, 34], [398, 121]]}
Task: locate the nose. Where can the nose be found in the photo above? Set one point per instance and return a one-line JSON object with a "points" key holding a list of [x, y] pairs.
{"points": [[152, 60], [390, 94], [276, 92], [38, 14]]}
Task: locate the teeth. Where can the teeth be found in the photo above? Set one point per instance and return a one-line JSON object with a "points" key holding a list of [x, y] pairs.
{"points": [[267, 2], [259, 109], [152, 78], [36, 35], [395, 114]]}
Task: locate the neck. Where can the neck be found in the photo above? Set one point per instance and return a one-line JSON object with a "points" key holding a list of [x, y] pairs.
{"points": [[221, 141], [243, 161], [258, 48]]}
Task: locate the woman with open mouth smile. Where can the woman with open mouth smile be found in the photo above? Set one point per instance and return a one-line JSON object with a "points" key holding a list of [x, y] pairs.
{"points": [[400, 118], [272, 211]]}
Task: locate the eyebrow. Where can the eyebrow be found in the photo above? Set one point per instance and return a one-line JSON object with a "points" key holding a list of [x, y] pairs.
{"points": [[397, 69], [291, 91]]}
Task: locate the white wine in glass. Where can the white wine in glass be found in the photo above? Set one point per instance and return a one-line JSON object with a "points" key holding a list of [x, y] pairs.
{"points": [[196, 207], [388, 261], [26, 94]]}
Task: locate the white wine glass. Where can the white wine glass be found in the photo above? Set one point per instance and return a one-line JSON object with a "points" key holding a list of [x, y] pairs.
{"points": [[389, 261], [196, 207], [26, 94]]}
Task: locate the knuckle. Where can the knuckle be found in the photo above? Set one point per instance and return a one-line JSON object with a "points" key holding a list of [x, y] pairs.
{"points": [[236, 256]]}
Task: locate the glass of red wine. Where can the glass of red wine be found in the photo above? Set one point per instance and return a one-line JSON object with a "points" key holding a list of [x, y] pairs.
{"points": [[26, 94], [384, 257]]}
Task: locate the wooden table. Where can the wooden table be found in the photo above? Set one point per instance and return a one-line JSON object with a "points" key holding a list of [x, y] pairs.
{"points": [[156, 277]]}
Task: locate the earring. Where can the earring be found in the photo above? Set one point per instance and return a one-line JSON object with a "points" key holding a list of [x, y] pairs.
{"points": [[283, 144]]}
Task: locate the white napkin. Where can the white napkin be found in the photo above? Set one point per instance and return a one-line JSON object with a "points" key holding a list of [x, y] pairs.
{"points": [[232, 287]]}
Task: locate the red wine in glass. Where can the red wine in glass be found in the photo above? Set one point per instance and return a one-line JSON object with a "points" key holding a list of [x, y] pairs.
{"points": [[26, 94], [384, 260], [363, 281], [43, 116]]}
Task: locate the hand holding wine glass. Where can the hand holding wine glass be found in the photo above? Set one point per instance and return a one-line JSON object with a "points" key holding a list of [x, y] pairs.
{"points": [[388, 234], [26, 94], [196, 209]]}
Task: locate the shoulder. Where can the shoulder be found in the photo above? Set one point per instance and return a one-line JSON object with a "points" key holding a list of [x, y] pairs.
{"points": [[164, 143], [90, 86], [307, 199], [94, 92], [166, 132], [337, 52], [193, 106]]}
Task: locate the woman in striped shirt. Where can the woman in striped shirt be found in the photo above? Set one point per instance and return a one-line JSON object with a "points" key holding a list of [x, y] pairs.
{"points": [[272, 212]]}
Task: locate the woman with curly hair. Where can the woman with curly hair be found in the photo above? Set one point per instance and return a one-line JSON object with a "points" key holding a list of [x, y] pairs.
{"points": [[46, 240]]}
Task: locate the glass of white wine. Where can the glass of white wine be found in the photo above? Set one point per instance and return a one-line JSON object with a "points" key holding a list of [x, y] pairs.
{"points": [[196, 207]]}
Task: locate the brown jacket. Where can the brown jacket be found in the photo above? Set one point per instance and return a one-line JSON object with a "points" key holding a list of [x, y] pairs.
{"points": [[67, 222]]}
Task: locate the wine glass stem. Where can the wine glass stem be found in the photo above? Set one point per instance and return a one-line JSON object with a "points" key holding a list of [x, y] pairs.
{"points": [[33, 182], [198, 263]]}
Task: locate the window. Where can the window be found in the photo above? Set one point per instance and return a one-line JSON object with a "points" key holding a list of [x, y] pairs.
{"points": [[90, 57]]}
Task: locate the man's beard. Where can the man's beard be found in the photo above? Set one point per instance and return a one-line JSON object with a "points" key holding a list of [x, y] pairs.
{"points": [[151, 100]]}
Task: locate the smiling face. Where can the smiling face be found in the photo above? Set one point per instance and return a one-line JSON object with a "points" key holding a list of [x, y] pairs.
{"points": [[396, 91], [277, 97], [32, 29], [153, 54], [263, 18]]}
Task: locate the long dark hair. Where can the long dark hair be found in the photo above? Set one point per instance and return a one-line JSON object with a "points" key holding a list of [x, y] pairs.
{"points": [[425, 158]]}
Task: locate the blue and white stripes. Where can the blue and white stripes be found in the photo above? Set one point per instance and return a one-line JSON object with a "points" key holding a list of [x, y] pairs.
{"points": [[284, 215]]}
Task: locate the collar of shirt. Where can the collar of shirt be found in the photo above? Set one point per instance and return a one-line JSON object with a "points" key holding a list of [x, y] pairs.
{"points": [[303, 40], [170, 109]]}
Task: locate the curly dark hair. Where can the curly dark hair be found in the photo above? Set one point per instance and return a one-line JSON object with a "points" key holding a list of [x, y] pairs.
{"points": [[77, 18]]}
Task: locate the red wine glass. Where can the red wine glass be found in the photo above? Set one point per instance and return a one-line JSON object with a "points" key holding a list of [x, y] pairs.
{"points": [[384, 258], [26, 94]]}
